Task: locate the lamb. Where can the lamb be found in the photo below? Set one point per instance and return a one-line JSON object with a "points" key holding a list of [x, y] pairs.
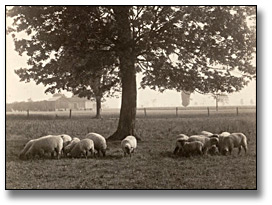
{"points": [[128, 145], [234, 140], [195, 147], [68, 148], [83, 147], [100, 144], [180, 142], [206, 141], [47, 144]]}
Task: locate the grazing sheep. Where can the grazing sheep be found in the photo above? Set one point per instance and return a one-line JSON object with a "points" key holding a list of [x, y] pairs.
{"points": [[47, 144], [206, 141], [68, 148], [234, 140], [180, 142], [83, 147], [128, 145], [221, 137], [100, 144], [195, 147]]}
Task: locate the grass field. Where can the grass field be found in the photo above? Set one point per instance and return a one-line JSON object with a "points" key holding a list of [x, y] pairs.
{"points": [[152, 167]]}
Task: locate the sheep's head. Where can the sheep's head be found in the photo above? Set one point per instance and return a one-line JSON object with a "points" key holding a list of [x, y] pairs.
{"points": [[225, 151], [128, 149], [103, 152], [214, 135], [214, 141], [181, 141]]}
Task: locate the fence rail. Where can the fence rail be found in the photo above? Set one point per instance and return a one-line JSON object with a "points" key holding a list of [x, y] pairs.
{"points": [[145, 112]]}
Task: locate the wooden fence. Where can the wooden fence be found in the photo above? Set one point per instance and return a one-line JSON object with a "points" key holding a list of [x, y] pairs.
{"points": [[147, 112]]}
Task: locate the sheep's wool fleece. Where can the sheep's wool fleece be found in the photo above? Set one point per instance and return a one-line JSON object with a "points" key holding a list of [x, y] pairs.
{"points": [[131, 140], [99, 141]]}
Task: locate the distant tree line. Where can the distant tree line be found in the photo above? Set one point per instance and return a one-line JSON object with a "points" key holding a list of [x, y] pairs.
{"points": [[34, 106]]}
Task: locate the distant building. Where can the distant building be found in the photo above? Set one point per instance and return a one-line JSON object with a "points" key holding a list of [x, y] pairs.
{"points": [[58, 102], [77, 103]]}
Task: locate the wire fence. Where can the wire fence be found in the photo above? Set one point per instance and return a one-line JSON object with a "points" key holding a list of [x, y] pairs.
{"points": [[148, 112]]}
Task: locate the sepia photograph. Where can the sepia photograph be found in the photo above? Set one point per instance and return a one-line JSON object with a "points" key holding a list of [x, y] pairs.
{"points": [[155, 97]]}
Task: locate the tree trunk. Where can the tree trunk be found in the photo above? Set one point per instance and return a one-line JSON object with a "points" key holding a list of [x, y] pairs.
{"points": [[126, 125], [216, 103], [98, 107]]}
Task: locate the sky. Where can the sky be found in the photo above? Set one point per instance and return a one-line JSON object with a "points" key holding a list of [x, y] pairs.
{"points": [[21, 91]]}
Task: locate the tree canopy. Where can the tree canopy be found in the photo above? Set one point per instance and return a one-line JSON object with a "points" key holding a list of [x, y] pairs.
{"points": [[197, 37]]}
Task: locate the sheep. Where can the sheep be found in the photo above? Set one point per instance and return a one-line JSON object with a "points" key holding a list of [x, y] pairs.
{"points": [[221, 137], [207, 141], [195, 147], [83, 147], [67, 149], [180, 142], [224, 134], [65, 138], [26, 148], [128, 145], [47, 144], [100, 144], [234, 140]]}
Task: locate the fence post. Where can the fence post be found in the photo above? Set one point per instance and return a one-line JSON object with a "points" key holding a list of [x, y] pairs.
{"points": [[208, 111], [237, 113], [70, 115], [27, 113], [176, 111], [145, 112]]}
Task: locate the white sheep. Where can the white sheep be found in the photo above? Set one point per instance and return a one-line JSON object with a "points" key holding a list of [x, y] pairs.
{"points": [[67, 149], [26, 148], [100, 144], [195, 147], [47, 144], [128, 145], [83, 147], [206, 141], [234, 140], [65, 138], [206, 133], [221, 137], [180, 142]]}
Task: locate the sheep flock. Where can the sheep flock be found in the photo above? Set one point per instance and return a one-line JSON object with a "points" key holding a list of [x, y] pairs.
{"points": [[94, 145]]}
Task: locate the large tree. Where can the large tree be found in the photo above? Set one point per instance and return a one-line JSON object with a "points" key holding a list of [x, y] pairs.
{"points": [[192, 48]]}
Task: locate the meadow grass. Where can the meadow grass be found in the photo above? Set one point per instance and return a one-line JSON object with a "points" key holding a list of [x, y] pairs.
{"points": [[153, 166]]}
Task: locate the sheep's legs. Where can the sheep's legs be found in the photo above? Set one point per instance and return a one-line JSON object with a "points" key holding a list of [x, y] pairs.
{"points": [[239, 150], [176, 150]]}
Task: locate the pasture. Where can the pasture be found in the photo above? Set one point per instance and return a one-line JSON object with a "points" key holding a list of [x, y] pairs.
{"points": [[153, 166]]}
